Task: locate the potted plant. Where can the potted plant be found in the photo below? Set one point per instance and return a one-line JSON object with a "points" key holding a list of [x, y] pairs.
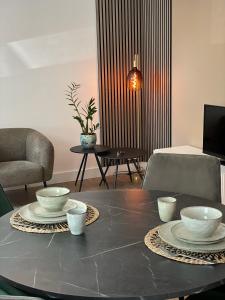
{"points": [[84, 116]]}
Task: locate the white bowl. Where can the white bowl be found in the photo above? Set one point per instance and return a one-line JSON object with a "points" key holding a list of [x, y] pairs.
{"points": [[53, 198], [201, 221]]}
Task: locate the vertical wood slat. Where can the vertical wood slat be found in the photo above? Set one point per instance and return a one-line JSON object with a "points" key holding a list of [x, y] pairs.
{"points": [[126, 27]]}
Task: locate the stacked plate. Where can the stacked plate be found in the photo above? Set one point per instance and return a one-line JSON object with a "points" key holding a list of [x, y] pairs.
{"points": [[175, 234], [34, 213]]}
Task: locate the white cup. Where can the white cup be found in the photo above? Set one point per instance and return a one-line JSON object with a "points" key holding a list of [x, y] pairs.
{"points": [[166, 208], [76, 218]]}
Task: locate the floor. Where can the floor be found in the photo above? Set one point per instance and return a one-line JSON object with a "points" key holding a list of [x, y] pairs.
{"points": [[19, 197]]}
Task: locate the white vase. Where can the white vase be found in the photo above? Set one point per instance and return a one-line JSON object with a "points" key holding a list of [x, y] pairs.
{"points": [[88, 141]]}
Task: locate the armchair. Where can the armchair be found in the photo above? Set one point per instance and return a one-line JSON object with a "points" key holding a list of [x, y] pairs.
{"points": [[26, 156]]}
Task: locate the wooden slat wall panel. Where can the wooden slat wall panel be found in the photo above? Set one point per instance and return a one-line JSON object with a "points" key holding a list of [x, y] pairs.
{"points": [[126, 27], [156, 67]]}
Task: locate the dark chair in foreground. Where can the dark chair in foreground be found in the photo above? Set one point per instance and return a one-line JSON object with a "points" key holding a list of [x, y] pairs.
{"points": [[217, 294], [8, 292], [5, 297], [26, 156], [196, 175], [5, 205]]}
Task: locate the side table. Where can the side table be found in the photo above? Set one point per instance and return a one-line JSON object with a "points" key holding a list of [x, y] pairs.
{"points": [[97, 150], [116, 155]]}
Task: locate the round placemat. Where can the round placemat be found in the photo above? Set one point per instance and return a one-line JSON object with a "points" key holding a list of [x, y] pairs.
{"points": [[19, 223], [156, 245]]}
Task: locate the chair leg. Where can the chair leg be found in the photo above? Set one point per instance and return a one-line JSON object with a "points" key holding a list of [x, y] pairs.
{"points": [[45, 183], [181, 298], [25, 187]]}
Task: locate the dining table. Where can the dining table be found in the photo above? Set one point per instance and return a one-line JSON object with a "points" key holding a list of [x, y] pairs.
{"points": [[110, 260]]}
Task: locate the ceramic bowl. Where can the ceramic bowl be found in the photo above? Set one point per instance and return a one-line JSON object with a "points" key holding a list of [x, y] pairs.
{"points": [[201, 221], [53, 198]]}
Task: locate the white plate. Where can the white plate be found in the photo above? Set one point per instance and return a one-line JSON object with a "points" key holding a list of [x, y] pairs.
{"points": [[29, 216], [39, 211], [166, 235], [181, 233]]}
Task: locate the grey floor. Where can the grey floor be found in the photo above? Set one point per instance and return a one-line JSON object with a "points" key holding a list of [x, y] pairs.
{"points": [[19, 197]]}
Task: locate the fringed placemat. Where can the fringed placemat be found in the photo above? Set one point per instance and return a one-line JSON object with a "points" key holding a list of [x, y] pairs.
{"points": [[156, 245], [19, 223]]}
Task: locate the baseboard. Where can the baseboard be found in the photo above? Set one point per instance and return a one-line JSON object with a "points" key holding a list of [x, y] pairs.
{"points": [[64, 176], [59, 177]]}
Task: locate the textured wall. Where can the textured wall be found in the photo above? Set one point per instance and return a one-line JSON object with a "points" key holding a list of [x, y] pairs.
{"points": [[126, 27]]}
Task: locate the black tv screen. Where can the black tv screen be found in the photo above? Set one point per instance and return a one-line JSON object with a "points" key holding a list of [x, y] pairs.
{"points": [[214, 131]]}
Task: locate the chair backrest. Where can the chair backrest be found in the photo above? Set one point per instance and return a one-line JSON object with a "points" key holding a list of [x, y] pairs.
{"points": [[196, 175], [13, 143], [5, 205]]}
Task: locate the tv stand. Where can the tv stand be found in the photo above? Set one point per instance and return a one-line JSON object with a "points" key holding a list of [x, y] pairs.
{"points": [[193, 150]]}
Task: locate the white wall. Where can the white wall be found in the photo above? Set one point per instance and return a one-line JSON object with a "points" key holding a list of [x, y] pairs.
{"points": [[45, 44], [198, 65]]}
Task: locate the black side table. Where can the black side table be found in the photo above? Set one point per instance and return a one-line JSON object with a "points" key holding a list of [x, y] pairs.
{"points": [[96, 151], [116, 155]]}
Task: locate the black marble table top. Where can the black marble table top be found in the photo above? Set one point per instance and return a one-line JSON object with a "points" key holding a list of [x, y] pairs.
{"points": [[123, 153], [110, 260], [97, 149]]}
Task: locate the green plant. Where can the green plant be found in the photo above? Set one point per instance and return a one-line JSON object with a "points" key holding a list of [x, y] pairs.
{"points": [[84, 115]]}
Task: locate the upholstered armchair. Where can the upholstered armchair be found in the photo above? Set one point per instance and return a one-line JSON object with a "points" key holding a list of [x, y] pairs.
{"points": [[26, 156]]}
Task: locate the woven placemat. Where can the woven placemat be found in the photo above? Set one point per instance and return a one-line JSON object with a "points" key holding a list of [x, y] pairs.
{"points": [[156, 245], [19, 223]]}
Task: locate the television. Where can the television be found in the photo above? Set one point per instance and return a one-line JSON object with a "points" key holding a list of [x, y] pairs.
{"points": [[214, 131]]}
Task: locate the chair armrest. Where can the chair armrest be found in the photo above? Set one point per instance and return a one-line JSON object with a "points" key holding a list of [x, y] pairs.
{"points": [[41, 151]]}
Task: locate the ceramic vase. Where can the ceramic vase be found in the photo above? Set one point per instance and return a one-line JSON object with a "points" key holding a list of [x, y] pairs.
{"points": [[88, 141]]}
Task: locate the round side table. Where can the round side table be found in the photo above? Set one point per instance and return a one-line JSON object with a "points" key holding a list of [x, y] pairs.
{"points": [[116, 155], [97, 151]]}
